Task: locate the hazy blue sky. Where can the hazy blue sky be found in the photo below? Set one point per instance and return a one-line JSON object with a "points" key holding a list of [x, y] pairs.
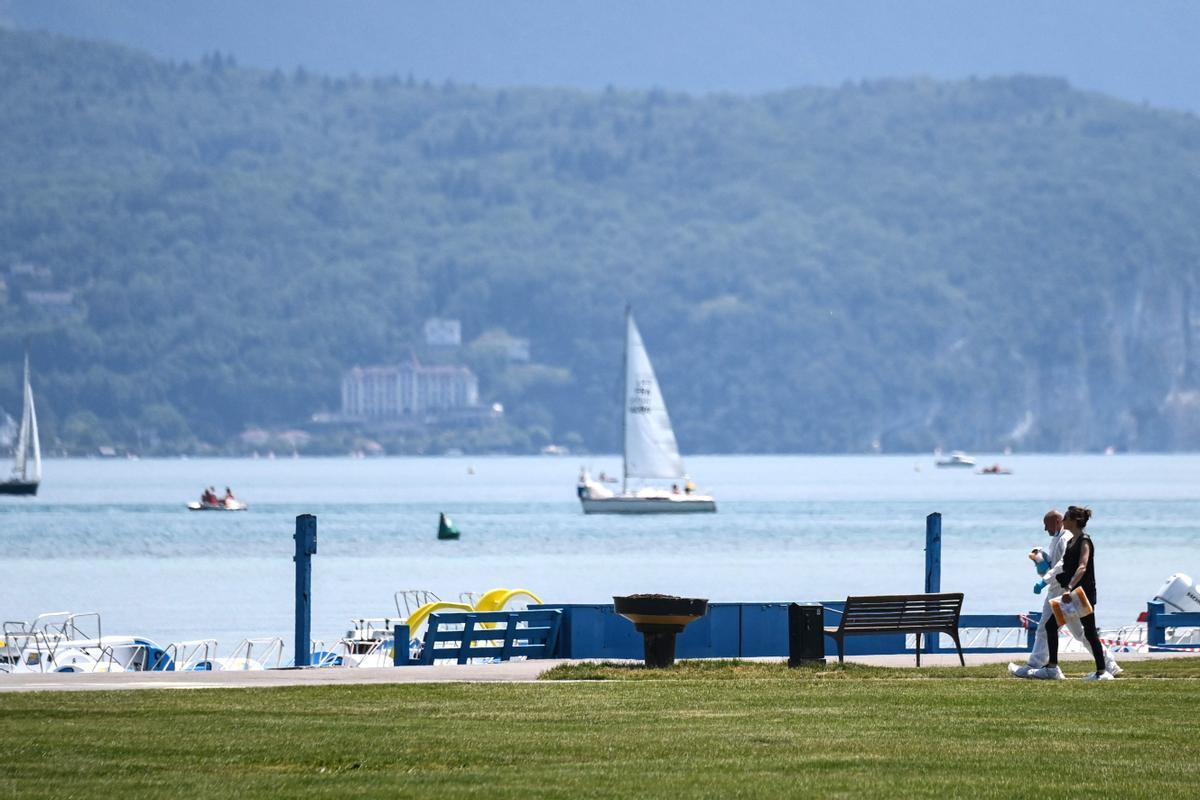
{"points": [[1141, 51]]}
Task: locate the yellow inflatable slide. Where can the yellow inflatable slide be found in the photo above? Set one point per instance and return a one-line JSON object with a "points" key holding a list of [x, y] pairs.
{"points": [[491, 600]]}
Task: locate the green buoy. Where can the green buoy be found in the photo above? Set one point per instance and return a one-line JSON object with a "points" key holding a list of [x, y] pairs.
{"points": [[446, 528]]}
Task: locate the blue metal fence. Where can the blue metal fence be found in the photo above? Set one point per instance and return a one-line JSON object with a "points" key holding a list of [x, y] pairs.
{"points": [[743, 630]]}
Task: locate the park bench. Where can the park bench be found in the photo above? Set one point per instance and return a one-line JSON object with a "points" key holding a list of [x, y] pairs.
{"points": [[503, 635], [899, 613]]}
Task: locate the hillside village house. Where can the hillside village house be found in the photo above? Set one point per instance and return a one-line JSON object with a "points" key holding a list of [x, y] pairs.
{"points": [[380, 393]]}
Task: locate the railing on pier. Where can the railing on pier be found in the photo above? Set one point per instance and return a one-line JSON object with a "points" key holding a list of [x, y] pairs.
{"points": [[1162, 625]]}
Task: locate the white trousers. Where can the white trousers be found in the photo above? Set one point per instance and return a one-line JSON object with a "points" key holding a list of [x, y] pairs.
{"points": [[1041, 649]]}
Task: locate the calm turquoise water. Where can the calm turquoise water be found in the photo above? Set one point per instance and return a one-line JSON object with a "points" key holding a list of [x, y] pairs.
{"points": [[114, 536]]}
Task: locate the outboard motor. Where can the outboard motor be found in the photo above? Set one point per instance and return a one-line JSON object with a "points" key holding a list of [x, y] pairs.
{"points": [[1179, 594]]}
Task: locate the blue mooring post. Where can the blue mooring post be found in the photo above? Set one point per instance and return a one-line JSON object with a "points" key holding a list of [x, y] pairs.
{"points": [[306, 546], [933, 552], [933, 568]]}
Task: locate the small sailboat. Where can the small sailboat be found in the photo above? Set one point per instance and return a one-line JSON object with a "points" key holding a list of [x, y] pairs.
{"points": [[27, 460], [650, 449]]}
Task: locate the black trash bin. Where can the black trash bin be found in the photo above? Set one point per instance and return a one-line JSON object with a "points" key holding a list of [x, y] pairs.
{"points": [[806, 634]]}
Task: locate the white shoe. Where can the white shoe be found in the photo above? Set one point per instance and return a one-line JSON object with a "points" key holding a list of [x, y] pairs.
{"points": [[1019, 671], [1113, 668], [1048, 674], [1098, 676]]}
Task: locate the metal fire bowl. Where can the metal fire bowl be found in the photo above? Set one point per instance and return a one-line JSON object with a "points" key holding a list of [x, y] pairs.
{"points": [[657, 612]]}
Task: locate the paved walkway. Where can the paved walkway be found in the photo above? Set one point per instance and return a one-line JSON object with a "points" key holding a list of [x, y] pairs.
{"points": [[448, 673], [516, 671]]}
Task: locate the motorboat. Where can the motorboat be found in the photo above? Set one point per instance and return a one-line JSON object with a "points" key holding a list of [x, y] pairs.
{"points": [[27, 456], [957, 459], [994, 469], [650, 451]]}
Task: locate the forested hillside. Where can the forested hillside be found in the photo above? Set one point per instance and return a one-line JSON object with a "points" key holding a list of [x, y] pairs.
{"points": [[197, 248]]}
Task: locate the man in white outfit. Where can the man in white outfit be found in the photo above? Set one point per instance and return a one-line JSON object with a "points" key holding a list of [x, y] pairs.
{"points": [[1059, 539]]}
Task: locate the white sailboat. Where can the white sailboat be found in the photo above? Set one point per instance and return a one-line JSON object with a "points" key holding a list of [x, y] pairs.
{"points": [[650, 450], [27, 461]]}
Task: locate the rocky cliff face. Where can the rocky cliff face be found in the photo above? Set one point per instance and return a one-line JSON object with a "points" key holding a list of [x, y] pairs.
{"points": [[1126, 378]]}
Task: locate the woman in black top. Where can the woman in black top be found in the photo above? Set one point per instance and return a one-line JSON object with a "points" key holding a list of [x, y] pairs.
{"points": [[1078, 570]]}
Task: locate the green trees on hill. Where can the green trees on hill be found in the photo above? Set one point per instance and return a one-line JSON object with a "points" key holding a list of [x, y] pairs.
{"points": [[897, 264]]}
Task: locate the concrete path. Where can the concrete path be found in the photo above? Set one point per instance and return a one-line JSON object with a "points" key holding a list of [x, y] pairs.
{"points": [[516, 671], [449, 673]]}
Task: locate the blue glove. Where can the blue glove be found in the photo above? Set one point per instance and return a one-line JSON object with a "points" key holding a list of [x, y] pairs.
{"points": [[1037, 587], [1043, 567]]}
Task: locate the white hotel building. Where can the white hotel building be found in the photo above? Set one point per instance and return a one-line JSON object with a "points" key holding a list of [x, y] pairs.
{"points": [[408, 389]]}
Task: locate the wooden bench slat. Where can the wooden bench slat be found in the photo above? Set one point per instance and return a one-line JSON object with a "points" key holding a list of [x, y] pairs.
{"points": [[905, 620], [898, 620], [914, 614], [910, 609]]}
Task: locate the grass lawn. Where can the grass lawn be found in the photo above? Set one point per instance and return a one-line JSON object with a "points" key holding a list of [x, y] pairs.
{"points": [[713, 729]]}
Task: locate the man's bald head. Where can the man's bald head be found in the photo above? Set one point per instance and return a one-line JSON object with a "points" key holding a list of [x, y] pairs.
{"points": [[1053, 521]]}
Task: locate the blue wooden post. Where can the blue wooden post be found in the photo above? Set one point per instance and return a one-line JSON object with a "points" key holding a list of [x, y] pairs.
{"points": [[933, 552], [933, 569], [306, 546], [400, 646], [1156, 632]]}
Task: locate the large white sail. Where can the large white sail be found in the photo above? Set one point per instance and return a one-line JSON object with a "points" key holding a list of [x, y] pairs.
{"points": [[27, 438], [650, 448], [36, 473]]}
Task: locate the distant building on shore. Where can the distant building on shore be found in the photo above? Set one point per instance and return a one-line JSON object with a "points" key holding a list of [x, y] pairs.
{"points": [[54, 303], [382, 393], [36, 272], [443, 332]]}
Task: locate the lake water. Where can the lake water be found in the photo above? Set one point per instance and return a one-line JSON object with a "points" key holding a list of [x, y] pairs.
{"points": [[114, 536]]}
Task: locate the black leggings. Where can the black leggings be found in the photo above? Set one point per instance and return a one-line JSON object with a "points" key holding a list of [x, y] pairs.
{"points": [[1089, 632]]}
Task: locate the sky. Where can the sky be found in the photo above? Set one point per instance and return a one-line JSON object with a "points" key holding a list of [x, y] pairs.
{"points": [[1145, 51]]}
